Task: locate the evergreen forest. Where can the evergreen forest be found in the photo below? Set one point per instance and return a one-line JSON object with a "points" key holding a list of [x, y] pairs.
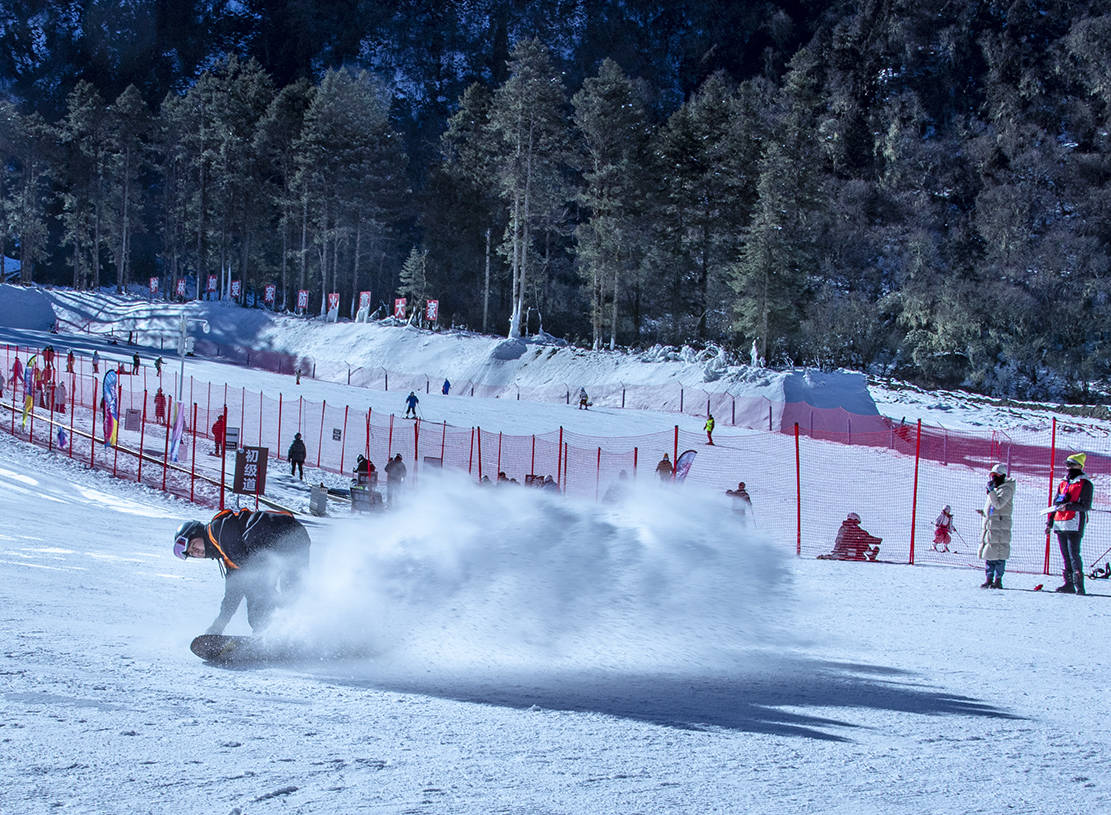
{"points": [[918, 189]]}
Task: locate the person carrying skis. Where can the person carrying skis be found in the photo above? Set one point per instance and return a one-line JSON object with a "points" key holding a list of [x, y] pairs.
{"points": [[664, 469], [446, 387], [262, 555], [852, 542], [1073, 502], [943, 529], [218, 428], [709, 428], [995, 531], [411, 402], [296, 456], [584, 400]]}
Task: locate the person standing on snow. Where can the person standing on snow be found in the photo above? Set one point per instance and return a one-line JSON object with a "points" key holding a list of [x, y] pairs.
{"points": [[158, 367], [664, 469], [1073, 502], [296, 456], [584, 400], [96, 362], [446, 387], [995, 531], [709, 428], [263, 557], [69, 362], [411, 402], [395, 477], [943, 529], [135, 363], [218, 428], [17, 372], [160, 407]]}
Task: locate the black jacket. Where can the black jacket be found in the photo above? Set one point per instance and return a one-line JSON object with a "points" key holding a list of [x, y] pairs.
{"points": [[395, 471], [297, 451]]}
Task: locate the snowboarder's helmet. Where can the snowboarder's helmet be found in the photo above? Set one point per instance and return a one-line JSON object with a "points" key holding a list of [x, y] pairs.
{"points": [[1076, 460], [946, 509], [360, 459], [853, 517], [185, 533], [296, 435], [999, 469], [740, 485]]}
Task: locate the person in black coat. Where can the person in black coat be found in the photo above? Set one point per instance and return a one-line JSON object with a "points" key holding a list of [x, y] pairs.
{"points": [[395, 475], [263, 556], [296, 456]]}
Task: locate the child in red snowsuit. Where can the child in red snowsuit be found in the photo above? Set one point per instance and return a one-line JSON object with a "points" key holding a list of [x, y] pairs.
{"points": [[943, 529]]}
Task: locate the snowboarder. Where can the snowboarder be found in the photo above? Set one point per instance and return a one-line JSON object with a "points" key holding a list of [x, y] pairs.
{"points": [[584, 400], [160, 407], [296, 456], [995, 530], [853, 542], [943, 529], [263, 555], [135, 363], [411, 402], [395, 477], [218, 428], [69, 362], [446, 387], [742, 502], [1073, 502], [664, 469], [365, 472], [96, 362], [709, 428]]}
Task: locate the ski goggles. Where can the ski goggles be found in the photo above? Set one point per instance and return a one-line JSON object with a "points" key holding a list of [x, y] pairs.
{"points": [[181, 547]]}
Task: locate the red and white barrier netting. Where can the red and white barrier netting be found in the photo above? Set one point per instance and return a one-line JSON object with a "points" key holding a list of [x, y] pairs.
{"points": [[801, 483]]}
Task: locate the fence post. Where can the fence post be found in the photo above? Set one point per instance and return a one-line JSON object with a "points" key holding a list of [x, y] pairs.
{"points": [[343, 438], [559, 457], [498, 471], [680, 400], [914, 497], [224, 457], [165, 454], [116, 446], [707, 405], [279, 450], [733, 412], [260, 418], [72, 404], [443, 443], [470, 455], [597, 475], [193, 462], [635, 452], [798, 495], [675, 452], [1049, 503], [416, 447], [320, 442], [368, 412], [480, 455], [142, 439], [532, 458], [622, 396], [769, 416], [849, 422], [92, 430]]}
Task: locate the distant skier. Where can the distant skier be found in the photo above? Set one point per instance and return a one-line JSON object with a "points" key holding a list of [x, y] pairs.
{"points": [[995, 530], [853, 543], [395, 477], [446, 387], [158, 363], [160, 407], [742, 502], [411, 402], [664, 469], [96, 362], [135, 363], [943, 529], [296, 456], [69, 362], [17, 372], [584, 400], [60, 397], [709, 428], [1073, 502], [263, 556]]}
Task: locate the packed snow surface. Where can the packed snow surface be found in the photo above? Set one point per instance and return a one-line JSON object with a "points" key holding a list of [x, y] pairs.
{"points": [[512, 651]]}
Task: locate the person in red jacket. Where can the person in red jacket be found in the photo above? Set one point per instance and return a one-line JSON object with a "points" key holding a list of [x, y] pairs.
{"points": [[218, 429], [1073, 502], [853, 543], [160, 407]]}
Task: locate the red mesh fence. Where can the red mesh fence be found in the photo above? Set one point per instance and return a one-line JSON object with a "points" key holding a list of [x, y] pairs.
{"points": [[898, 485]]}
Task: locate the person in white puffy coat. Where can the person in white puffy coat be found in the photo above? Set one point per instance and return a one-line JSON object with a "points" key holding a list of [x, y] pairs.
{"points": [[995, 531]]}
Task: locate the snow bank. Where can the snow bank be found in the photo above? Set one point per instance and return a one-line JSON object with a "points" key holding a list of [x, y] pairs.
{"points": [[28, 308]]}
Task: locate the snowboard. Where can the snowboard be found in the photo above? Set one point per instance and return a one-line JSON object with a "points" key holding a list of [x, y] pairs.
{"points": [[238, 651]]}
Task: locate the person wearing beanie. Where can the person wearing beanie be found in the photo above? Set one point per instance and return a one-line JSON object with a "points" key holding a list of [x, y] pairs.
{"points": [[296, 456], [1072, 503], [995, 527], [263, 556]]}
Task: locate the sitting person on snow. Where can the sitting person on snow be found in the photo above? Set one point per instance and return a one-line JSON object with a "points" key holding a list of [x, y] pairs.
{"points": [[853, 543]]}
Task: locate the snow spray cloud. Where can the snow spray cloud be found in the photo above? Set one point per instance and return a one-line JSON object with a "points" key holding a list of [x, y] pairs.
{"points": [[501, 575]]}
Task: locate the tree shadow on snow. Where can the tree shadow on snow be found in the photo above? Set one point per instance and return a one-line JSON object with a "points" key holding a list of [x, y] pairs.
{"points": [[763, 699]]}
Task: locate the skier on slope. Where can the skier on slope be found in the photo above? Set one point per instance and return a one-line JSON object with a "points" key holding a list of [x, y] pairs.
{"points": [[995, 532], [742, 502], [853, 542], [709, 428], [411, 402], [1073, 502], [944, 529]]}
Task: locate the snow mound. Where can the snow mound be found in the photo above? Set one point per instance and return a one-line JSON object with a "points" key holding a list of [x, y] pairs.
{"points": [[25, 308]]}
